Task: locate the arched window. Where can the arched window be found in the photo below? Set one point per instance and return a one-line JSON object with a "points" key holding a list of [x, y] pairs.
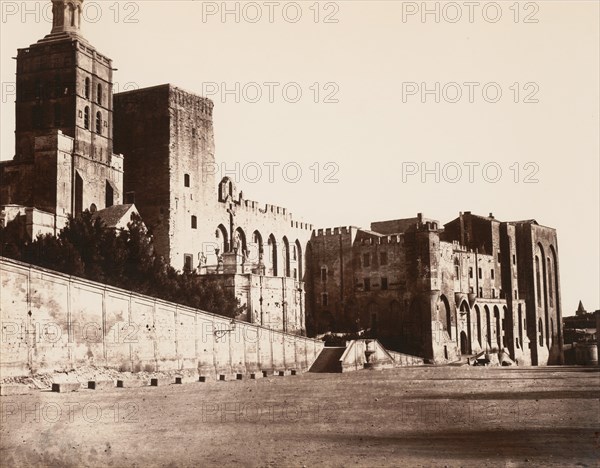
{"points": [[272, 251], [286, 257], [109, 195], [99, 94], [538, 281], [86, 118], [222, 239], [456, 268], [300, 266], [194, 222], [488, 326], [541, 332], [99, 122], [186, 180], [71, 14], [324, 273], [257, 241], [550, 288], [239, 240], [87, 88], [478, 321]]}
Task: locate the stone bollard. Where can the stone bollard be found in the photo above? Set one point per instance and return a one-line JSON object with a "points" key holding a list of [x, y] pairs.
{"points": [[100, 384], [65, 387]]}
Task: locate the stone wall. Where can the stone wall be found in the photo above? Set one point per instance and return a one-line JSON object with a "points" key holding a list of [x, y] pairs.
{"points": [[442, 293], [55, 322]]}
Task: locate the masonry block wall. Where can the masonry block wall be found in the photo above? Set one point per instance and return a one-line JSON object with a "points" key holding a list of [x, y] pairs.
{"points": [[539, 285], [274, 302], [167, 134], [54, 322], [64, 161], [439, 293], [167, 152]]}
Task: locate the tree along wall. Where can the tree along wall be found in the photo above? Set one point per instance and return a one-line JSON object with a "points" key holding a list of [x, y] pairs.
{"points": [[55, 322]]}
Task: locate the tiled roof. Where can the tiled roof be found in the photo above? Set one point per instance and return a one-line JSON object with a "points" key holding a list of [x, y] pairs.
{"points": [[112, 215]]}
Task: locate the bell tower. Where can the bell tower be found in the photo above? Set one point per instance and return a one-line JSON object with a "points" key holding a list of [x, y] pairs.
{"points": [[63, 83], [65, 88]]}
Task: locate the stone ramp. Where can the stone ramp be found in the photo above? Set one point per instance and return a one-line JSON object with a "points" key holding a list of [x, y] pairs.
{"points": [[328, 360]]}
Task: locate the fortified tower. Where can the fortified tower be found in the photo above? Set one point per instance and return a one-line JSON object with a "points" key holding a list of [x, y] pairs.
{"points": [[63, 83], [64, 161]]}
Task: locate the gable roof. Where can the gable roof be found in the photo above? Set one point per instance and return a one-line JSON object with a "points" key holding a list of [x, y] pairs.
{"points": [[113, 215]]}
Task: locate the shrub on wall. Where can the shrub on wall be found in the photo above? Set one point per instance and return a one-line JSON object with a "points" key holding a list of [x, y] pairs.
{"points": [[123, 258]]}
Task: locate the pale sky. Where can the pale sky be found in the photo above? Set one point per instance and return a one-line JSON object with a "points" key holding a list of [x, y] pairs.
{"points": [[374, 62]]}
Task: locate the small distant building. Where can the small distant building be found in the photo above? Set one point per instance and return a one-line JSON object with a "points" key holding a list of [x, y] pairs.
{"points": [[117, 216], [580, 327]]}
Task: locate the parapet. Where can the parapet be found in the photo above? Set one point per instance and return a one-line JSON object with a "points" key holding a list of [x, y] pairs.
{"points": [[333, 231], [176, 96], [255, 207], [384, 240]]}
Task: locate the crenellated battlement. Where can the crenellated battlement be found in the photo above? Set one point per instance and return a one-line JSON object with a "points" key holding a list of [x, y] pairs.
{"points": [[332, 231], [190, 100], [384, 240]]}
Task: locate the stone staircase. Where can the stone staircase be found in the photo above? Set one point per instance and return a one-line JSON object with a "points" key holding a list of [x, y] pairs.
{"points": [[328, 360]]}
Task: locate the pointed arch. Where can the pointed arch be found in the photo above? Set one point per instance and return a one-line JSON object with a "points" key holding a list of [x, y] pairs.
{"points": [[222, 239], [488, 326], [478, 324], [299, 260], [239, 241], [272, 256], [543, 304], [465, 309], [498, 327], [445, 314], [554, 280], [286, 257], [72, 20]]}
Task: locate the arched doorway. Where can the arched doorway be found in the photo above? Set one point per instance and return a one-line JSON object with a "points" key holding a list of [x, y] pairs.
{"points": [[445, 314]]}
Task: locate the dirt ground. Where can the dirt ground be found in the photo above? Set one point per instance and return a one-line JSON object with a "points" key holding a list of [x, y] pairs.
{"points": [[421, 416]]}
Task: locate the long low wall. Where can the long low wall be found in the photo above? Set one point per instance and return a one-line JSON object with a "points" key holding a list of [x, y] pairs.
{"points": [[55, 322]]}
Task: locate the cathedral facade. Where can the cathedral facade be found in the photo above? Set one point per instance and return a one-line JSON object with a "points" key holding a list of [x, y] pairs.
{"points": [[475, 284]]}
